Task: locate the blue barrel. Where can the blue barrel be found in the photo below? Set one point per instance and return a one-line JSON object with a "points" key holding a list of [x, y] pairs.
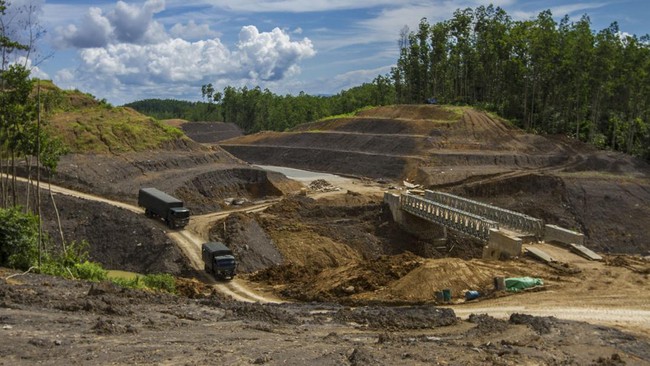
{"points": [[446, 294], [471, 295]]}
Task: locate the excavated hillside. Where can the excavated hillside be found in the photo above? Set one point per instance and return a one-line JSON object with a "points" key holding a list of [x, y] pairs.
{"points": [[210, 132], [604, 194], [114, 151], [337, 249]]}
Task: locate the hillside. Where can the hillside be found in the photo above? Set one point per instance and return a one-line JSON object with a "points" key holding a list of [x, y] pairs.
{"points": [[604, 194], [342, 248], [87, 125], [113, 151]]}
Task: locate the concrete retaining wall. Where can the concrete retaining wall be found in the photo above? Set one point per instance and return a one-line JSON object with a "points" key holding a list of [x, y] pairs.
{"points": [[562, 235], [505, 243]]}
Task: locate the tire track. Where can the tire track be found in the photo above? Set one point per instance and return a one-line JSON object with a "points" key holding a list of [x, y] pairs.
{"points": [[186, 241]]}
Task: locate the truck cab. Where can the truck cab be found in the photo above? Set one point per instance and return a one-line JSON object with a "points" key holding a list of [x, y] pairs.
{"points": [[218, 260], [179, 217]]}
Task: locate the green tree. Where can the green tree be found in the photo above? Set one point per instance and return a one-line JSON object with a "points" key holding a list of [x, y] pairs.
{"points": [[18, 238], [545, 76]]}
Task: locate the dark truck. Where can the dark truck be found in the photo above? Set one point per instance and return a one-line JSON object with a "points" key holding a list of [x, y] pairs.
{"points": [[159, 204], [218, 260]]}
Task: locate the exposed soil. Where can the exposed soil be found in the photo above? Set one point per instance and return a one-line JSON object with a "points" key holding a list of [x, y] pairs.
{"points": [[210, 132], [605, 195], [341, 248], [119, 239], [46, 319], [203, 177]]}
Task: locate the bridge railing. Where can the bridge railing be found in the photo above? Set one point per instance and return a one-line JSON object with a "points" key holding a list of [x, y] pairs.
{"points": [[510, 219], [455, 219]]}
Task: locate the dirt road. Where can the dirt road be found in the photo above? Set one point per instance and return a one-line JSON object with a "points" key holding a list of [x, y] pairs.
{"points": [[189, 243], [581, 300]]}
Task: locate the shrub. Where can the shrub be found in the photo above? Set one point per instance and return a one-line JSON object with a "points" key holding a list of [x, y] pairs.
{"points": [[18, 239], [162, 281], [73, 263], [89, 271], [136, 282]]}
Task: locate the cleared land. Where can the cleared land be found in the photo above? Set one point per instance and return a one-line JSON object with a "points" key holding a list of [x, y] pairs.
{"points": [[340, 249]]}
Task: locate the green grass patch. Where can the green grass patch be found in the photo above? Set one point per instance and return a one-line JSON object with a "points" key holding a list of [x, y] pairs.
{"points": [[114, 273], [111, 130], [346, 115], [455, 111], [157, 282], [88, 125]]}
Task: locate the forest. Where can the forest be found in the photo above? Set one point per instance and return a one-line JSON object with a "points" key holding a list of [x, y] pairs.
{"points": [[545, 76], [254, 109]]}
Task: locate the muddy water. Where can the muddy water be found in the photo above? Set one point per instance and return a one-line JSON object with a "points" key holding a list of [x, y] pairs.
{"points": [[122, 274], [305, 176]]}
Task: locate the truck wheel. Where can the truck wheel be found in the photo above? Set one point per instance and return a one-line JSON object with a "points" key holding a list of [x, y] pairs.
{"points": [[147, 212]]}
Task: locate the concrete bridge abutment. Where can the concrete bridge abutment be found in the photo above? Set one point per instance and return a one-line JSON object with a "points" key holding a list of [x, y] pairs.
{"points": [[421, 228]]}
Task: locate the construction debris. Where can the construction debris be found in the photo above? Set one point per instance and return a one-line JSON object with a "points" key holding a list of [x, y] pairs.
{"points": [[321, 185]]}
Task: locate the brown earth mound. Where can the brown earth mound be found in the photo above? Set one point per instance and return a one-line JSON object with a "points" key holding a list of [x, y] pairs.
{"points": [[201, 176], [252, 247]]}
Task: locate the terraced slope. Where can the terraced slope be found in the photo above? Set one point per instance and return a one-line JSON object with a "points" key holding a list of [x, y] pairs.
{"points": [[604, 194], [402, 142]]}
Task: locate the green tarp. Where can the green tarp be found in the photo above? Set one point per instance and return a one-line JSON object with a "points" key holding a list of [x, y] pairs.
{"points": [[520, 283]]}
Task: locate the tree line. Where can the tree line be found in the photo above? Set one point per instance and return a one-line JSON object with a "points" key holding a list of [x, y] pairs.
{"points": [[256, 109], [546, 76]]}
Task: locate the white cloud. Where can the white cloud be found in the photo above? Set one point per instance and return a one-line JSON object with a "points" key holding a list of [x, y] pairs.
{"points": [[35, 71], [258, 57], [271, 55], [384, 27], [355, 78], [94, 31], [192, 31], [136, 25], [124, 24], [557, 11]]}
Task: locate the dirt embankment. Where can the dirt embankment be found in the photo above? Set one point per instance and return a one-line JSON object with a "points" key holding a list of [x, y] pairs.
{"points": [[202, 176], [612, 212], [210, 132], [118, 239], [605, 195]]}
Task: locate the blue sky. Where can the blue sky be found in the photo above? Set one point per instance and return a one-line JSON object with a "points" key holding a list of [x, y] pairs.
{"points": [[129, 50]]}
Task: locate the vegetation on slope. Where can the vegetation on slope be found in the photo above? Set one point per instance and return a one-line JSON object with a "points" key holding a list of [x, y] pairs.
{"points": [[88, 125]]}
